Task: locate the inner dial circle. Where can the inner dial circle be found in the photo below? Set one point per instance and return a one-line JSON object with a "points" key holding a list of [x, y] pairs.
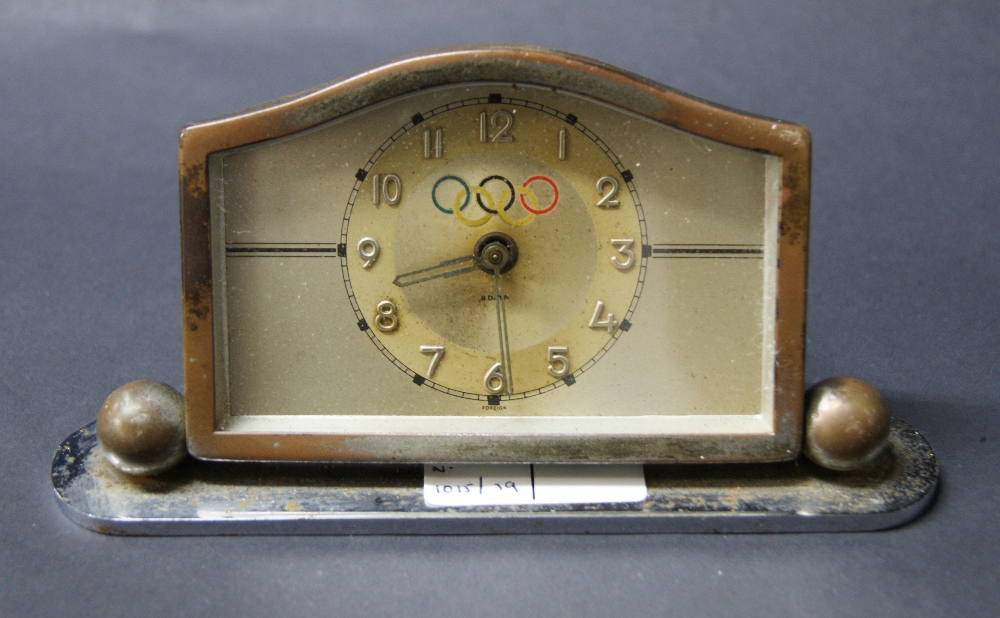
{"points": [[544, 290], [428, 207]]}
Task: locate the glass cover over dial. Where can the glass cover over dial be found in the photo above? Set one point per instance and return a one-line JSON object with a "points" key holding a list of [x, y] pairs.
{"points": [[498, 254]]}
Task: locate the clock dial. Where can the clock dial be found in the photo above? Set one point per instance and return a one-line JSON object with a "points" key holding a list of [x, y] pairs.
{"points": [[357, 278], [535, 180], [537, 258]]}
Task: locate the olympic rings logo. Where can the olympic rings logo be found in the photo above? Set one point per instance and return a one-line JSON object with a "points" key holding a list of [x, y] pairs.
{"points": [[509, 194]]}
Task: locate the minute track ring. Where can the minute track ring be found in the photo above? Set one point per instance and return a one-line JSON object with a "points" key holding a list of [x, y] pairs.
{"points": [[578, 127]]}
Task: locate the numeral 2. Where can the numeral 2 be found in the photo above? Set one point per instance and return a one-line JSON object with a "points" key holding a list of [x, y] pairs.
{"points": [[609, 196]]}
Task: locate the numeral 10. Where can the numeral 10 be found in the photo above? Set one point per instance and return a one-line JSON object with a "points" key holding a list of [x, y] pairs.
{"points": [[388, 188]]}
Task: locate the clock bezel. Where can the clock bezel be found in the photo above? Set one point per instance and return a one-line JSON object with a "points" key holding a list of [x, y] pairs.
{"points": [[209, 439]]}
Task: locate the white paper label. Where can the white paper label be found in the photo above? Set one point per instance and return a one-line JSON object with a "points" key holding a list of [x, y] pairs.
{"points": [[495, 484]]}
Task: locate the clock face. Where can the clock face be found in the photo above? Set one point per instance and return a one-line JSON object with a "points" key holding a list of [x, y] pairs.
{"points": [[445, 264], [530, 181]]}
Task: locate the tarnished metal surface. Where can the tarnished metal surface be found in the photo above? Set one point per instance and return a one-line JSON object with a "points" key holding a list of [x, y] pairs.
{"points": [[254, 498], [847, 423], [141, 428], [206, 418]]}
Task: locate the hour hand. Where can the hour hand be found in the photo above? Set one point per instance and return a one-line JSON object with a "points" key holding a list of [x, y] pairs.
{"points": [[447, 268]]}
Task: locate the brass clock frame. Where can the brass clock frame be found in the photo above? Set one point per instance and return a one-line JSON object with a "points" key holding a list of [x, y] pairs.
{"points": [[209, 439]]}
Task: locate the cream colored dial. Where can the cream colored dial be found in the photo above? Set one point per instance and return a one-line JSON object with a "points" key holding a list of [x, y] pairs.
{"points": [[434, 203], [446, 259]]}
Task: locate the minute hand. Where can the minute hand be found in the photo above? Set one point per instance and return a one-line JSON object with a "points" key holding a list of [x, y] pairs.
{"points": [[447, 268], [501, 306]]}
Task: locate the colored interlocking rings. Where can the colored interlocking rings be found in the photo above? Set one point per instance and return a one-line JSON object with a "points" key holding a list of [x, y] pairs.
{"points": [[509, 192], [555, 197], [491, 206], [468, 194]]}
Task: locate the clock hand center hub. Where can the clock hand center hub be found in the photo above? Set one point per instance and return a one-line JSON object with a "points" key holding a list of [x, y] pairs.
{"points": [[495, 252]]}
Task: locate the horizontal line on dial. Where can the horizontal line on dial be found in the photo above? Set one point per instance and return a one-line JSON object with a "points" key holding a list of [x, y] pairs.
{"points": [[693, 250], [282, 250]]}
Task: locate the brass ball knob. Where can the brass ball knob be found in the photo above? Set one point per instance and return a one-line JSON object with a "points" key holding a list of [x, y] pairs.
{"points": [[847, 424], [140, 427]]}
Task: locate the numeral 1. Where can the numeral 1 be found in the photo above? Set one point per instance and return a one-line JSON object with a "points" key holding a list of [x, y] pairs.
{"points": [[562, 144]]}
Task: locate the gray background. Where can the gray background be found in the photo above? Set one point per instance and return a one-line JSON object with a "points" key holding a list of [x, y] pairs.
{"points": [[900, 99]]}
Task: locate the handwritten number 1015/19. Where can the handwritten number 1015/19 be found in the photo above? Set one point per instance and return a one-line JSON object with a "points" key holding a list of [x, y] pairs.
{"points": [[467, 487], [457, 489]]}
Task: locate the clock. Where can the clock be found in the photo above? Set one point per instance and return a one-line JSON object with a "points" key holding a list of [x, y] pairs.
{"points": [[499, 257], [494, 254]]}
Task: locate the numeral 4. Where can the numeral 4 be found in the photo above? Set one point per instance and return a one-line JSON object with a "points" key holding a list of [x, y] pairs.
{"points": [[596, 321]]}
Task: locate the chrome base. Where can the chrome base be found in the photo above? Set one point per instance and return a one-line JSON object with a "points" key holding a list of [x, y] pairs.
{"points": [[199, 498]]}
